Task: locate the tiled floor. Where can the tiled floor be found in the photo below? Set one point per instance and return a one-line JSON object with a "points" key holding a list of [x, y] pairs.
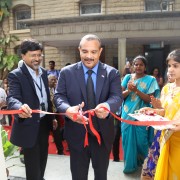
{"points": [[58, 168]]}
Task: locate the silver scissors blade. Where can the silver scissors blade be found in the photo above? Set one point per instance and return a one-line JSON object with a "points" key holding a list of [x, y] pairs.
{"points": [[80, 109]]}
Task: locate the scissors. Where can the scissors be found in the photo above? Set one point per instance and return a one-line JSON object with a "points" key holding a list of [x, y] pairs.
{"points": [[80, 110]]}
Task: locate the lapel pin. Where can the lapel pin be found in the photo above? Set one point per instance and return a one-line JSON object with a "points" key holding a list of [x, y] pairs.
{"points": [[102, 76]]}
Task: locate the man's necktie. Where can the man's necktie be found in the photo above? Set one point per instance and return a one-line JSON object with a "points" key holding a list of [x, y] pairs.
{"points": [[90, 91], [91, 97]]}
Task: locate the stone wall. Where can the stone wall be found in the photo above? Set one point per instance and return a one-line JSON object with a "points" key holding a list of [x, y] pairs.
{"points": [[124, 6], [45, 9], [61, 56]]}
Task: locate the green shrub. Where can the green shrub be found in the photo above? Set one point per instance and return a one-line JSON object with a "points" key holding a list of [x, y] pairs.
{"points": [[8, 148]]}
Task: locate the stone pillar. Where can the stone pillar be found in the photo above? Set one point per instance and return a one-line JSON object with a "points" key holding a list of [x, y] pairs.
{"points": [[121, 54], [2, 160]]}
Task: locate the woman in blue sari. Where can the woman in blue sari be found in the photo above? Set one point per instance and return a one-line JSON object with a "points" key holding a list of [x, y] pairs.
{"points": [[137, 89]]}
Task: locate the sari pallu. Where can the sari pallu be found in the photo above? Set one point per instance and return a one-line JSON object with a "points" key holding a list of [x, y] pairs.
{"points": [[136, 139], [169, 159]]}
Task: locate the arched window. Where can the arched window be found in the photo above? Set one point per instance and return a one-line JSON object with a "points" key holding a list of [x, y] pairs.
{"points": [[21, 13]]}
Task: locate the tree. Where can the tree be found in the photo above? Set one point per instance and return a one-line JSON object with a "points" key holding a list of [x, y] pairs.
{"points": [[7, 61]]}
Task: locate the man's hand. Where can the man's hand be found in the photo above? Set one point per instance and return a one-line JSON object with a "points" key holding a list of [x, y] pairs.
{"points": [[71, 111], [55, 124], [101, 112], [27, 111], [2, 104]]}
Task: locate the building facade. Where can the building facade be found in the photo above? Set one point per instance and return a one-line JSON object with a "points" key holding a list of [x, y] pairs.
{"points": [[127, 28]]}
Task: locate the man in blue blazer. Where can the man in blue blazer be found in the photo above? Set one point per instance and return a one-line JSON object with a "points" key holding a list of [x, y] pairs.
{"points": [[71, 95], [28, 89]]}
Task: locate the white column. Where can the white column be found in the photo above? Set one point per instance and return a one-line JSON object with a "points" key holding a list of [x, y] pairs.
{"points": [[121, 54], [2, 161]]}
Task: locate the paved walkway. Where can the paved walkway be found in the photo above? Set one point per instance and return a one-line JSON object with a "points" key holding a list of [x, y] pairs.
{"points": [[58, 168]]}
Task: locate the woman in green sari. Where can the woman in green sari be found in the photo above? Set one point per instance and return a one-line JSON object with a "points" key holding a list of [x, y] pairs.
{"points": [[137, 89]]}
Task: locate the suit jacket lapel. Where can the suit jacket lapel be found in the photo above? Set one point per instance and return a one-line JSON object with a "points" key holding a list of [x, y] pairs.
{"points": [[28, 75], [44, 78], [101, 75], [80, 79], [45, 81]]}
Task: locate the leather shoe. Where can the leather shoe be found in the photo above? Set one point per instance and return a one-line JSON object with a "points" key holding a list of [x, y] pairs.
{"points": [[22, 159], [116, 160]]}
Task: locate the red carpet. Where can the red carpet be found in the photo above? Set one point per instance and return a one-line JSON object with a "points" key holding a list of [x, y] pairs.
{"points": [[52, 146]]}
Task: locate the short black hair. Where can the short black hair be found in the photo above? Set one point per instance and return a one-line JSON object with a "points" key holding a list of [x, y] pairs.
{"points": [[67, 64], [53, 62], [30, 45]]}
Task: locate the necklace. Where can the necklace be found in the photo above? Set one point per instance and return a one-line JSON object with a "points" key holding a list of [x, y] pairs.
{"points": [[173, 89]]}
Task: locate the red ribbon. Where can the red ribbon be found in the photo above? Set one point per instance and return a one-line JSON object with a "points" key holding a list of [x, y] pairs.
{"points": [[93, 130], [90, 114], [140, 123]]}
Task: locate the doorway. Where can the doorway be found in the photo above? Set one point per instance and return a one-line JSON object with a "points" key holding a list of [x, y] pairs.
{"points": [[156, 57]]}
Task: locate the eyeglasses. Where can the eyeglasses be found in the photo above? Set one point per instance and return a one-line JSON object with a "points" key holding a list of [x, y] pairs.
{"points": [[36, 55]]}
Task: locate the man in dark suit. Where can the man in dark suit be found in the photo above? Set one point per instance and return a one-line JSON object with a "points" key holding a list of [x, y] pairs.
{"points": [[72, 94], [57, 133], [28, 89]]}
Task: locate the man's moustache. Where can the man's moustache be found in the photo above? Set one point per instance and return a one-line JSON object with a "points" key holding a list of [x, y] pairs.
{"points": [[89, 59]]}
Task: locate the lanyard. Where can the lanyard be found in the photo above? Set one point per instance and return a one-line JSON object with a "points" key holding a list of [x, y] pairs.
{"points": [[39, 87]]}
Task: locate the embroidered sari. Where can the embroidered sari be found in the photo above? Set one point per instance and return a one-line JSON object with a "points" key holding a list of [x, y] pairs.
{"points": [[136, 139], [169, 159]]}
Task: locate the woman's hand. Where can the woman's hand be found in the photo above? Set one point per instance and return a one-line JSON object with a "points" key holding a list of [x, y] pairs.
{"points": [[131, 86], [156, 103], [176, 124], [149, 110], [145, 110]]}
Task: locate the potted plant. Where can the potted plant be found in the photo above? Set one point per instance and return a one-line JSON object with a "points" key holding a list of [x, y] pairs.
{"points": [[8, 148]]}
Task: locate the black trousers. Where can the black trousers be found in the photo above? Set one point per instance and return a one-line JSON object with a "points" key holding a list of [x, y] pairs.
{"points": [[36, 157], [116, 140], [58, 137], [80, 160]]}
